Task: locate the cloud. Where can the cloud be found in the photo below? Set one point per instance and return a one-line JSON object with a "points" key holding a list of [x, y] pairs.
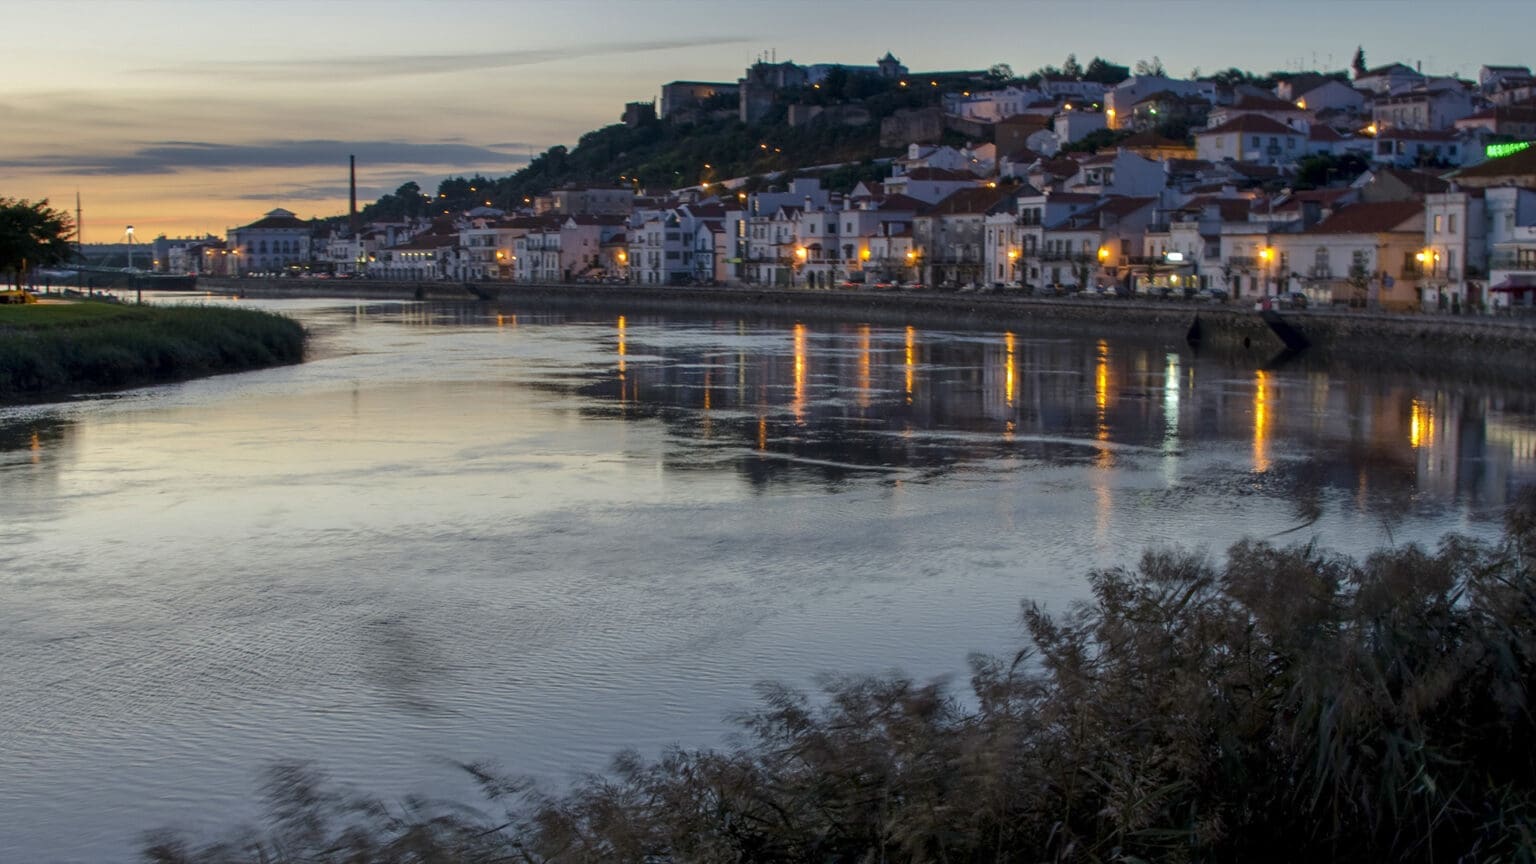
{"points": [[172, 157], [363, 68]]}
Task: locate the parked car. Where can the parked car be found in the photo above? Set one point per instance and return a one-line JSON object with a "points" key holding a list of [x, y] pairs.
{"points": [[1215, 295], [1294, 300]]}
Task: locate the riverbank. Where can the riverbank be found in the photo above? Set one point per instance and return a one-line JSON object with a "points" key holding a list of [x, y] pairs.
{"points": [[1414, 342], [53, 350]]}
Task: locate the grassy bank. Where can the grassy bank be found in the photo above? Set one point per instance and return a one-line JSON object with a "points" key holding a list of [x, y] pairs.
{"points": [[1282, 704], [49, 350]]}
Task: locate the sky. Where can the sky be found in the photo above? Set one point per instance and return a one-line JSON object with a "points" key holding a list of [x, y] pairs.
{"points": [[184, 117]]}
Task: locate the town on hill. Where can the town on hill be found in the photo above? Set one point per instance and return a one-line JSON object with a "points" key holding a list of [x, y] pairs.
{"points": [[1383, 187]]}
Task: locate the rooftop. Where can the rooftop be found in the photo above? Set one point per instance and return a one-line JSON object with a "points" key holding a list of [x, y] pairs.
{"points": [[1370, 218]]}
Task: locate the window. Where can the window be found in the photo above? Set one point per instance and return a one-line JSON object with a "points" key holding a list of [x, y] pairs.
{"points": [[1450, 223], [1437, 224], [1255, 141]]}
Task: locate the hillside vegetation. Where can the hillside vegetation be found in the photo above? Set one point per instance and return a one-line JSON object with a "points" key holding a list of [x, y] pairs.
{"points": [[712, 143]]}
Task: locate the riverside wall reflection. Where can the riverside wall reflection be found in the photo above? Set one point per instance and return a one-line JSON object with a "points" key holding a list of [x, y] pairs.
{"points": [[825, 402]]}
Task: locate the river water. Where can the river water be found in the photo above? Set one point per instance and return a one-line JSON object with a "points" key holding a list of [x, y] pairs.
{"points": [[458, 533]]}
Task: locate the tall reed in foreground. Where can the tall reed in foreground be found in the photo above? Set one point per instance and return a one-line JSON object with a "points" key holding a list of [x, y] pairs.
{"points": [[1286, 704]]}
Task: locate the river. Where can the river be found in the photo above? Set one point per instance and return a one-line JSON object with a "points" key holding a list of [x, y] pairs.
{"points": [[463, 533]]}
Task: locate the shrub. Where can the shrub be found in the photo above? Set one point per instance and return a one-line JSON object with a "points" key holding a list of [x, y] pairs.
{"points": [[1285, 704]]}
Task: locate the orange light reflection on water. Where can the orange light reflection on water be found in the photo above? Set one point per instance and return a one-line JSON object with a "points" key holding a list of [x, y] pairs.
{"points": [[1421, 425], [911, 362], [1261, 421], [864, 373], [799, 404], [1010, 378], [1106, 457]]}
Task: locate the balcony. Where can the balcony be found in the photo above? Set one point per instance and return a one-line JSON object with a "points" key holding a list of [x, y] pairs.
{"points": [[1242, 261], [1512, 261], [1065, 256]]}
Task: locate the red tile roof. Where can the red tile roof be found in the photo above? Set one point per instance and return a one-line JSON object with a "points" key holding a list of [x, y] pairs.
{"points": [[1251, 124], [1250, 102], [1370, 218], [978, 200], [936, 174], [1521, 164]]}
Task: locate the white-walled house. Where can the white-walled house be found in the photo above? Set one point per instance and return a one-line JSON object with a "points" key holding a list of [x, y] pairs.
{"points": [[1391, 78], [930, 185], [990, 106], [1075, 125], [1406, 148], [1455, 249], [427, 255], [1330, 95], [1119, 173], [1247, 105], [1251, 138], [1422, 108], [1511, 233], [275, 242], [1365, 253], [1119, 99]]}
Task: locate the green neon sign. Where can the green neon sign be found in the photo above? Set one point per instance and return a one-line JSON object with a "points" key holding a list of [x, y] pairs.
{"points": [[1508, 148]]}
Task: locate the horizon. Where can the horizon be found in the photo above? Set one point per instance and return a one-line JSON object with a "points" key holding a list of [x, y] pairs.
{"points": [[190, 137]]}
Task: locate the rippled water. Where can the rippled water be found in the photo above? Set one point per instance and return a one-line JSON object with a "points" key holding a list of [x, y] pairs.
{"points": [[459, 534]]}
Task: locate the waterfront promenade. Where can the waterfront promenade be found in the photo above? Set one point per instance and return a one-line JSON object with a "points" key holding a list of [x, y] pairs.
{"points": [[1405, 340]]}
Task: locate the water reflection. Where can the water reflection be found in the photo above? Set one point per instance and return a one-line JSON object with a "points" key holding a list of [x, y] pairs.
{"points": [[509, 533], [854, 394]]}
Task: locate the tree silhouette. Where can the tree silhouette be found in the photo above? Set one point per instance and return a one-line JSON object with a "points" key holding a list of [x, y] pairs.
{"points": [[1359, 62], [32, 235]]}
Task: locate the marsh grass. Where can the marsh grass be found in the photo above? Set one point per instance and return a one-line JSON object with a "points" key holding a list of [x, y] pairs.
{"points": [[49, 350], [1285, 704]]}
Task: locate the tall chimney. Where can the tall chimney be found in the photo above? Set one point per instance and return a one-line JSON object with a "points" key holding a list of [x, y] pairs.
{"points": [[352, 185]]}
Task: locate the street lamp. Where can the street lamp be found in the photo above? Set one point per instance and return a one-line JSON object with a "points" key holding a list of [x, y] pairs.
{"points": [[1264, 255]]}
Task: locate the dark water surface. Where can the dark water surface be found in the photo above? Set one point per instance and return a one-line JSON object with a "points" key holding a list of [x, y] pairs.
{"points": [[533, 538]]}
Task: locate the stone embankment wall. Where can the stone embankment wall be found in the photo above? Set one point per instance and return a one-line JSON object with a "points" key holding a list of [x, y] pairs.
{"points": [[1410, 342]]}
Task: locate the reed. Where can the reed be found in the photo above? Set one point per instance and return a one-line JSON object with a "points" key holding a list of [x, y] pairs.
{"points": [[1282, 704], [47, 350]]}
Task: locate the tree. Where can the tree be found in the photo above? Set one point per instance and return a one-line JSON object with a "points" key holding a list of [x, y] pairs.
{"points": [[1358, 64], [32, 235], [1153, 68], [1072, 69], [1000, 72], [1105, 72]]}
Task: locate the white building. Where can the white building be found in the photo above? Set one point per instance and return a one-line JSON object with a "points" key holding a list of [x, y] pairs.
{"points": [[1455, 248], [277, 241], [1511, 234], [1119, 99], [1251, 138]]}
